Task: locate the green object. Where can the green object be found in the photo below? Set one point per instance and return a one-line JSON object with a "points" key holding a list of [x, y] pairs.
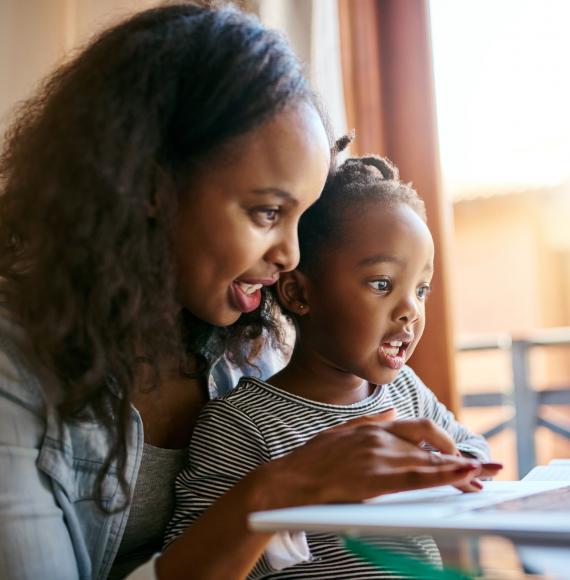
{"points": [[399, 563]]}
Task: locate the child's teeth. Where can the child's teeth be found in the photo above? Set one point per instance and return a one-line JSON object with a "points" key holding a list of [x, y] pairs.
{"points": [[391, 351], [392, 348]]}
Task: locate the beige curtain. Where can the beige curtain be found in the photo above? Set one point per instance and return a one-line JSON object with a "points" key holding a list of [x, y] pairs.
{"points": [[312, 28]]}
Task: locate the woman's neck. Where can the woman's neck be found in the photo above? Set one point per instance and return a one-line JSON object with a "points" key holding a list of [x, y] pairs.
{"points": [[170, 407], [311, 376]]}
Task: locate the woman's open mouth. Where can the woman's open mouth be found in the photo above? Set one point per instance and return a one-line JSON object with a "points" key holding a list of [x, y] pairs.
{"points": [[245, 296], [393, 353]]}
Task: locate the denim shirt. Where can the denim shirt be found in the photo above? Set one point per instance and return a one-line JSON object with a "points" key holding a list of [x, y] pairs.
{"points": [[50, 524]]}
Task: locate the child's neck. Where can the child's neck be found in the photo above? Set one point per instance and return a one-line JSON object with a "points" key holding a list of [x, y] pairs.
{"points": [[310, 376]]}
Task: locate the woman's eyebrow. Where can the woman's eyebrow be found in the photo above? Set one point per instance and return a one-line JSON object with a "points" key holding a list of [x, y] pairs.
{"points": [[276, 191]]}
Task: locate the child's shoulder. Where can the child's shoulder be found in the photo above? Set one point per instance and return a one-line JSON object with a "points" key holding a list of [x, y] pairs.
{"points": [[250, 391]]}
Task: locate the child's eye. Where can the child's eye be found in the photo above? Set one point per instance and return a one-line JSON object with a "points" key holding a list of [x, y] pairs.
{"points": [[381, 285], [266, 216], [423, 291]]}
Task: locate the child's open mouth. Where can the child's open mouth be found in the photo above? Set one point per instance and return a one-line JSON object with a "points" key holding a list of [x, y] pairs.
{"points": [[393, 353]]}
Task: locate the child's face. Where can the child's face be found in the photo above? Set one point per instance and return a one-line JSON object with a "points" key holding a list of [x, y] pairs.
{"points": [[367, 304]]}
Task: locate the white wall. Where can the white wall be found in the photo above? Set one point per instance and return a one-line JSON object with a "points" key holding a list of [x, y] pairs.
{"points": [[37, 35]]}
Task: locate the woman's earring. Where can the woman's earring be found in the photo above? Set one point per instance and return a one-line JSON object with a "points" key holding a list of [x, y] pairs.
{"points": [[301, 306]]}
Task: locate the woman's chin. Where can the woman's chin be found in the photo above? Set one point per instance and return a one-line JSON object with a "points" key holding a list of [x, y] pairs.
{"points": [[216, 315], [227, 317]]}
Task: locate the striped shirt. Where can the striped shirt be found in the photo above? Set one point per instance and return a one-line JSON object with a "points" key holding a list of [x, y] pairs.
{"points": [[257, 422]]}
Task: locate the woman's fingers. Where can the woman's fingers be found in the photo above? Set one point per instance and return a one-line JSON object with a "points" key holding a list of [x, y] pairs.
{"points": [[415, 457], [366, 457], [405, 479], [418, 431], [490, 469], [472, 486]]}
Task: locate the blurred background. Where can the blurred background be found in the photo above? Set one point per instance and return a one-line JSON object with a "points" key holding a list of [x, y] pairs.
{"points": [[470, 99]]}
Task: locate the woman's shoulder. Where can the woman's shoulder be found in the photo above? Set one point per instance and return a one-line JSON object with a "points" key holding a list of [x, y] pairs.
{"points": [[224, 375], [19, 373]]}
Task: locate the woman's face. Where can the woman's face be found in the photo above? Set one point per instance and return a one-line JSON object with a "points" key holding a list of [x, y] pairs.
{"points": [[236, 227]]}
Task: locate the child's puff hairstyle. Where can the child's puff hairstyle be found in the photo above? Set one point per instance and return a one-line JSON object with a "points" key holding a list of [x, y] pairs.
{"points": [[84, 268], [349, 190]]}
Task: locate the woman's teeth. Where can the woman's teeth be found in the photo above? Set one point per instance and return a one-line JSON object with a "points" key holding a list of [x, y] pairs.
{"points": [[249, 288]]}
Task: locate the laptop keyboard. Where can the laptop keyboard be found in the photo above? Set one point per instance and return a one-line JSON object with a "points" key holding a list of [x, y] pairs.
{"points": [[544, 501]]}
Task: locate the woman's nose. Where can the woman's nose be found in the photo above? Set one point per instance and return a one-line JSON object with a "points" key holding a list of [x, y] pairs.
{"points": [[285, 253]]}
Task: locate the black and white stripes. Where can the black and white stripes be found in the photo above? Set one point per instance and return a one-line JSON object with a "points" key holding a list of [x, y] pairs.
{"points": [[257, 422]]}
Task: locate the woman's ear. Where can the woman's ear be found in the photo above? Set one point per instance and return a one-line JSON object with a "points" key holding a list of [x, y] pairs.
{"points": [[292, 292]]}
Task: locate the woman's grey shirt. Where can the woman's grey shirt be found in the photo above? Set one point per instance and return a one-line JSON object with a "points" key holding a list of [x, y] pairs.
{"points": [[50, 524]]}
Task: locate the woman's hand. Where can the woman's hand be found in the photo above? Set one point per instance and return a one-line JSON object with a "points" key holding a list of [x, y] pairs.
{"points": [[447, 446], [364, 458]]}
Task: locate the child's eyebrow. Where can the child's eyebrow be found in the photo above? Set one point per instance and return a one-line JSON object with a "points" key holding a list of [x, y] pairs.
{"points": [[278, 192], [378, 259]]}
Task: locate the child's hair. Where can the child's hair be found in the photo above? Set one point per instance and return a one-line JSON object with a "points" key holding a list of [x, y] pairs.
{"points": [[349, 189]]}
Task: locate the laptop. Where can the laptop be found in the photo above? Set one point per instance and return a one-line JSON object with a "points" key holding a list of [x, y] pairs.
{"points": [[528, 512]]}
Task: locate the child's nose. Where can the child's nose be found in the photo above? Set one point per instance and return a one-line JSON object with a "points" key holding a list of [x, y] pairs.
{"points": [[407, 310]]}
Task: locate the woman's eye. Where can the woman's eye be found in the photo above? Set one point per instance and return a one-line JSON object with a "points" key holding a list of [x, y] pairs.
{"points": [[266, 215], [423, 291], [381, 285]]}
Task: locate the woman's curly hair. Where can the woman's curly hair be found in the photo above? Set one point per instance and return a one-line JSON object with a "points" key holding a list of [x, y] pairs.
{"points": [[84, 268]]}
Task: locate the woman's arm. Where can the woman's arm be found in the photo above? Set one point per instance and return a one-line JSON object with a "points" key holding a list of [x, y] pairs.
{"points": [[34, 539], [352, 462], [226, 446]]}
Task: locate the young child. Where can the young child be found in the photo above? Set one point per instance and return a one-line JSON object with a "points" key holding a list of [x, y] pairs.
{"points": [[357, 300]]}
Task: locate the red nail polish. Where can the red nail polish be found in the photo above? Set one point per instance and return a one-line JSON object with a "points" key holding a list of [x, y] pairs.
{"points": [[465, 469]]}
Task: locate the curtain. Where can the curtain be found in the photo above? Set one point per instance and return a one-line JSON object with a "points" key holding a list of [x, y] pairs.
{"points": [[389, 94]]}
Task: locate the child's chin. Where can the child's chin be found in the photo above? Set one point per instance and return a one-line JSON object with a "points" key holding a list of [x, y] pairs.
{"points": [[384, 376]]}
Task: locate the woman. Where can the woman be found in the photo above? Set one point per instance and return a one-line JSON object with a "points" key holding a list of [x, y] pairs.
{"points": [[149, 194]]}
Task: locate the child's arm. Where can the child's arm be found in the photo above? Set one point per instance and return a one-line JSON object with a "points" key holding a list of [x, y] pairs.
{"points": [[429, 407], [226, 445]]}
